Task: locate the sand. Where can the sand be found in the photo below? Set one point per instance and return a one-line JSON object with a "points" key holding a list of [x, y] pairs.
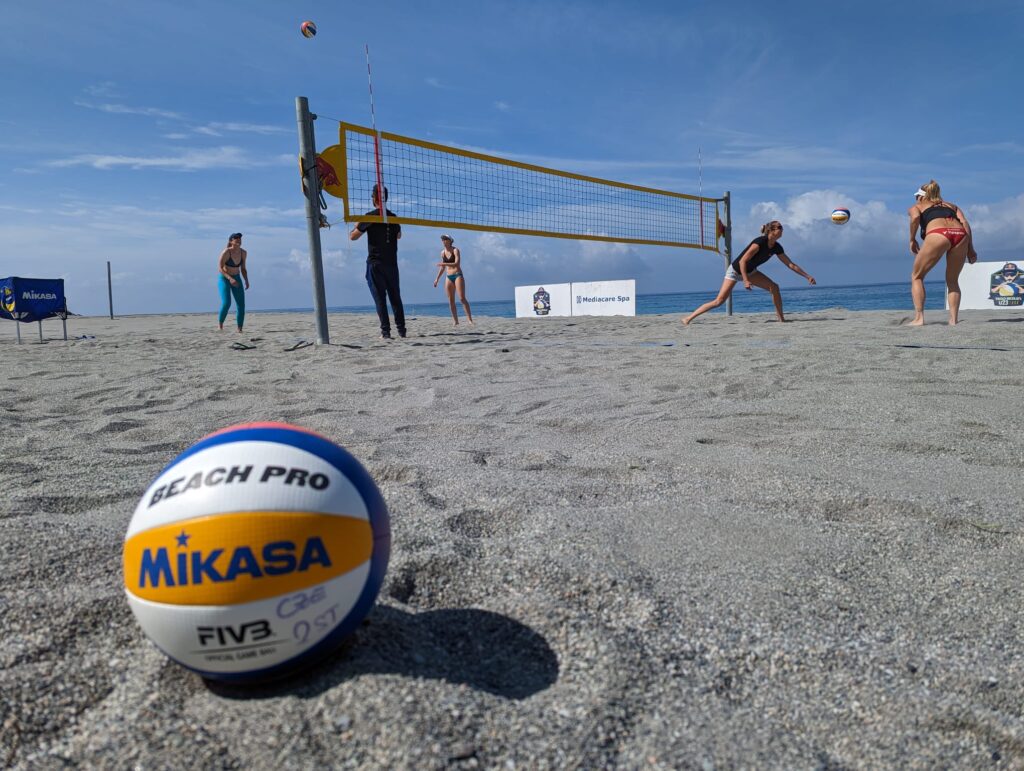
{"points": [[617, 542]]}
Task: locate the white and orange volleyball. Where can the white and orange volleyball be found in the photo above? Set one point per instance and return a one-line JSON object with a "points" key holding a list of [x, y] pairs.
{"points": [[256, 551]]}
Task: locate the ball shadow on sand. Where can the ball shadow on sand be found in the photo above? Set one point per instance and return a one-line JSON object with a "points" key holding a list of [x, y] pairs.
{"points": [[483, 650]]}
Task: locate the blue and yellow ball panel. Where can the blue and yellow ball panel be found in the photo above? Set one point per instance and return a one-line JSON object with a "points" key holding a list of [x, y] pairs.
{"points": [[840, 216], [256, 551]]}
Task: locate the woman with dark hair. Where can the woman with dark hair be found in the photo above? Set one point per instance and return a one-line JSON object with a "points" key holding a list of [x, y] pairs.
{"points": [[745, 268], [231, 270], [944, 231]]}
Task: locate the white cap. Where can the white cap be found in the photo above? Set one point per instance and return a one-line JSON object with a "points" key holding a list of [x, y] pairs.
{"points": [[920, 193]]}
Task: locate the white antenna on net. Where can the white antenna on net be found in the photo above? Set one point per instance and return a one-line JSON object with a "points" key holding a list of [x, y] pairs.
{"points": [[700, 191], [376, 142]]}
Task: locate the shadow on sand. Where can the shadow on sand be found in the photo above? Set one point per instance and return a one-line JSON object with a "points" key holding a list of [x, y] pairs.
{"points": [[483, 650]]}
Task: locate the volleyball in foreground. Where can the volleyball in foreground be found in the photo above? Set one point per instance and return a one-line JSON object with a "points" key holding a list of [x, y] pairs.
{"points": [[256, 551], [840, 216], [308, 29]]}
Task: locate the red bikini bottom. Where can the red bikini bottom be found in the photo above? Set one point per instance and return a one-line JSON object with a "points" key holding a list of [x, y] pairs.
{"points": [[953, 235]]}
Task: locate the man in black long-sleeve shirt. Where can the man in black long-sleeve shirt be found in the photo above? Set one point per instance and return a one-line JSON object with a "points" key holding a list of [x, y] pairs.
{"points": [[382, 266]]}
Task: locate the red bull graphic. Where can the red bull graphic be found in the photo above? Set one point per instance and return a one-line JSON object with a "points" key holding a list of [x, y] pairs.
{"points": [[330, 165], [1007, 286], [328, 176]]}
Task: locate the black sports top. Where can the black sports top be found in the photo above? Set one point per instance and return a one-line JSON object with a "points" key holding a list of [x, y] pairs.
{"points": [[939, 211], [381, 239], [446, 261], [761, 256], [230, 263]]}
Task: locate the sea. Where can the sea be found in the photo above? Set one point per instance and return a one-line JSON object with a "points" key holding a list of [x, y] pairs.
{"points": [[804, 299]]}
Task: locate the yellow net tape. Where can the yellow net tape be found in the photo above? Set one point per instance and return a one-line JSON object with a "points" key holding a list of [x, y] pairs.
{"points": [[447, 187]]}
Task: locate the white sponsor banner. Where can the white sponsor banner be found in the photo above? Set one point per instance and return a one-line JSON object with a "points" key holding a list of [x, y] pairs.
{"points": [[604, 298], [540, 301], [992, 286]]}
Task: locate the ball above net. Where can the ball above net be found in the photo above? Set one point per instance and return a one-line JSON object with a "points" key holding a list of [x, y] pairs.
{"points": [[308, 29]]}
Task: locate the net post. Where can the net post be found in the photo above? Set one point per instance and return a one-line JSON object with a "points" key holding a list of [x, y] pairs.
{"points": [[728, 241], [307, 151], [110, 292]]}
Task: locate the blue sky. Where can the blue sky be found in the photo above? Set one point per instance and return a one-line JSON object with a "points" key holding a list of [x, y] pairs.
{"points": [[143, 133]]}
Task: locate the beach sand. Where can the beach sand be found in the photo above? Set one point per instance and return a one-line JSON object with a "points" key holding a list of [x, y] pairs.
{"points": [[616, 542]]}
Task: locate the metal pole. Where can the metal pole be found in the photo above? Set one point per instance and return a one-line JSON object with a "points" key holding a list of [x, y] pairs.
{"points": [[17, 326], [307, 151], [110, 291], [40, 322], [728, 242]]}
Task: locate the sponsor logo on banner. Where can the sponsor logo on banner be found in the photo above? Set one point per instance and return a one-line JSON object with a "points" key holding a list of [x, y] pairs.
{"points": [[541, 302], [1007, 286], [583, 299], [604, 298], [7, 299]]}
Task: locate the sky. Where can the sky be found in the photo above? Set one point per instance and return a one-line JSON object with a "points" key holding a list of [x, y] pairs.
{"points": [[143, 133]]}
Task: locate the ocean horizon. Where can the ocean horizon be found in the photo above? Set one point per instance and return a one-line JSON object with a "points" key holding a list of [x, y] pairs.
{"points": [[803, 299]]}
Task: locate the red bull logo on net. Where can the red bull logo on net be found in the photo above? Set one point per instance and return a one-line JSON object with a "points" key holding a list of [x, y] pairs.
{"points": [[328, 176], [256, 551]]}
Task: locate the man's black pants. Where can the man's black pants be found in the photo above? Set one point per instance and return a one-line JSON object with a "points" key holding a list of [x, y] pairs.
{"points": [[383, 282]]}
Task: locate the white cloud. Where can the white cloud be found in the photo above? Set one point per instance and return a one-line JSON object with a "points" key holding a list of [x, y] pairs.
{"points": [[217, 129], [998, 225], [20, 209], [497, 250], [873, 229], [1014, 148], [335, 261], [121, 109], [501, 106], [226, 157], [105, 90]]}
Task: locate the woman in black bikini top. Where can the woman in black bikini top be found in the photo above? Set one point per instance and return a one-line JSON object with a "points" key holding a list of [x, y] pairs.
{"points": [[451, 260], [944, 232]]}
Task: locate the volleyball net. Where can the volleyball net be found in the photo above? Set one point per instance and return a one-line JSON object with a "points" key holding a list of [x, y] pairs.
{"points": [[447, 187]]}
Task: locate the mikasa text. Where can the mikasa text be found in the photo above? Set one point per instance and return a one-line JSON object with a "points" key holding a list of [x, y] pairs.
{"points": [[226, 476], [193, 567]]}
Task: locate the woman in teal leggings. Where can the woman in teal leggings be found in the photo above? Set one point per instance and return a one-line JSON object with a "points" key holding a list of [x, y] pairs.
{"points": [[231, 274]]}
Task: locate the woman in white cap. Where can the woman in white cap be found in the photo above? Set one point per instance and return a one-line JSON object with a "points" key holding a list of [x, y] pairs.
{"points": [[945, 231], [451, 260]]}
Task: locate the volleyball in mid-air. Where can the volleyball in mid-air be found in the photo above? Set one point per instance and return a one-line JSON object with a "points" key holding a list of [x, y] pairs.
{"points": [[840, 216], [308, 29], [256, 551]]}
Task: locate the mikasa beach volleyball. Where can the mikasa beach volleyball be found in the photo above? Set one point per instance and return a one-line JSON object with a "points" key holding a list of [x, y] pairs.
{"points": [[256, 551]]}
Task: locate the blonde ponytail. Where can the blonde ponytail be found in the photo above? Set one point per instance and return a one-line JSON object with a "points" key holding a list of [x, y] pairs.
{"points": [[932, 191]]}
